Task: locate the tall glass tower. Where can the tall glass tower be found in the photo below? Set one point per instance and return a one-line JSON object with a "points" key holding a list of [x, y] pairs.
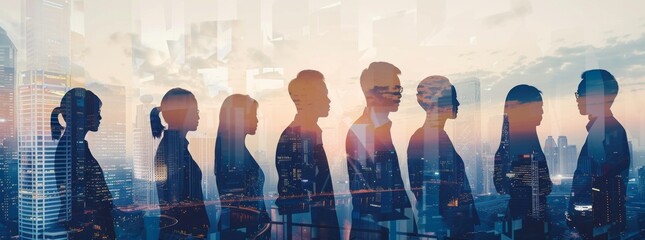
{"points": [[8, 146], [42, 204]]}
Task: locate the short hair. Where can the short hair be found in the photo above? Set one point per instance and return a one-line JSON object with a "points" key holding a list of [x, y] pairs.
{"points": [[434, 86], [599, 81], [304, 84], [377, 74]]}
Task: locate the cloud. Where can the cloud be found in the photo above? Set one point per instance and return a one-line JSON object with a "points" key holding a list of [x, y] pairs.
{"points": [[519, 9], [559, 73]]}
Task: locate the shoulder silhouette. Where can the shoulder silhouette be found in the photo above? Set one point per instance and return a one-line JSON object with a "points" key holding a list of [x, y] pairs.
{"points": [[521, 169], [240, 180], [178, 177], [89, 213], [600, 179], [305, 184], [437, 172], [375, 178]]}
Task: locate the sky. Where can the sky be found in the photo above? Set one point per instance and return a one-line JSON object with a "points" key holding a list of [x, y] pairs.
{"points": [[150, 46]]}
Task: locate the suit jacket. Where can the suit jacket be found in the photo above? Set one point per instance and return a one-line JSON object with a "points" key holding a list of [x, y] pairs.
{"points": [[601, 176]]}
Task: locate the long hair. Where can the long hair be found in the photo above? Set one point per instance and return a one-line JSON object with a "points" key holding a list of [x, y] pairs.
{"points": [[76, 104], [173, 108], [235, 109], [518, 95]]}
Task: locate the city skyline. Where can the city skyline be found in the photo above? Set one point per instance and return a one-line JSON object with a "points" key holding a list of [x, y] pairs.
{"points": [[256, 47]]}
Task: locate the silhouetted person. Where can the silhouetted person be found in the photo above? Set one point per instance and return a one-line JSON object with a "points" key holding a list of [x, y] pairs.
{"points": [[240, 180], [437, 172], [597, 201], [375, 179], [521, 169], [178, 177], [305, 184], [90, 215]]}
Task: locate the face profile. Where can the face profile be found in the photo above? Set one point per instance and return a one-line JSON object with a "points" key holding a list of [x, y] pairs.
{"points": [[524, 106], [319, 102], [94, 119], [382, 87], [238, 116], [388, 97], [309, 93], [179, 109], [596, 92], [78, 104], [192, 117], [251, 121], [181, 112], [435, 94]]}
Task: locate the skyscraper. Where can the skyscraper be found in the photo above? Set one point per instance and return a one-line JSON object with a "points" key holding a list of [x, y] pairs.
{"points": [[144, 148], [8, 146], [562, 149], [632, 170], [7, 88], [641, 183], [570, 160], [551, 154], [46, 79], [467, 128]]}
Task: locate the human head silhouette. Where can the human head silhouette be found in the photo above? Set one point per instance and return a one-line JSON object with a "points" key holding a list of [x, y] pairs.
{"points": [[523, 106], [596, 92], [179, 109], [238, 116], [81, 110], [381, 86], [435, 94], [309, 93]]}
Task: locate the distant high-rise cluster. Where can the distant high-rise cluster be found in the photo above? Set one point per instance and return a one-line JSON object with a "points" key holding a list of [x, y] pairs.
{"points": [[561, 157]]}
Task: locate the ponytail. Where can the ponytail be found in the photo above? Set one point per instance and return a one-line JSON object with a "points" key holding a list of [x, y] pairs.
{"points": [[55, 126], [155, 123]]}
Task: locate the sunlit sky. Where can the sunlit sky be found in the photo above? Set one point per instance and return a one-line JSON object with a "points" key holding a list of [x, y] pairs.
{"points": [[143, 45]]}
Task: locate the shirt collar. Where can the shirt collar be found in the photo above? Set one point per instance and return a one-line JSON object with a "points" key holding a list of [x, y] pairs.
{"points": [[378, 119]]}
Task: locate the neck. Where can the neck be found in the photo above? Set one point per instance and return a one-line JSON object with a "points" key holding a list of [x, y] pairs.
{"points": [[232, 138], [306, 119], [521, 129], [378, 116], [182, 133], [81, 134], [523, 139], [606, 113], [432, 120]]}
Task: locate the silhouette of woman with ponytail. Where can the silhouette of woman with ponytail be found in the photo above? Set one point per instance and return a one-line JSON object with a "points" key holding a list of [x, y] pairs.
{"points": [[178, 177], [521, 169], [239, 178], [78, 175]]}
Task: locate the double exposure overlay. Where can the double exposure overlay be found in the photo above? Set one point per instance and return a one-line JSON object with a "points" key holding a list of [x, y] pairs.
{"points": [[322, 119]]}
